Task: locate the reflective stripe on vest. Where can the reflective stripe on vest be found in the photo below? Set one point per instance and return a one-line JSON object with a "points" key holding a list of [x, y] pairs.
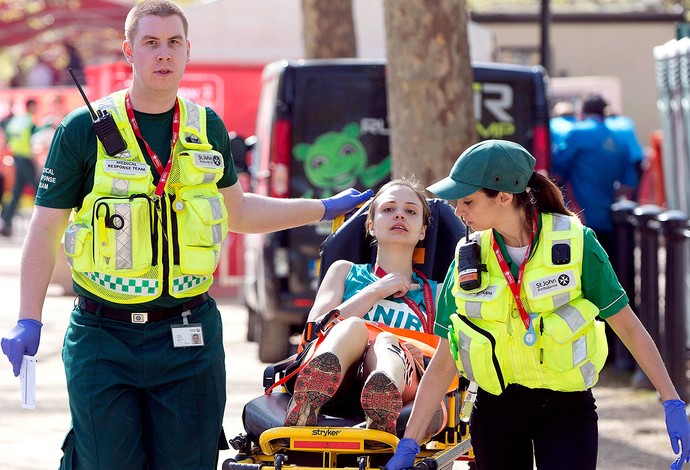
{"points": [[464, 344]]}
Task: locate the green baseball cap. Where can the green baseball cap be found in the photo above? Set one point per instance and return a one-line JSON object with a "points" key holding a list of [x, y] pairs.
{"points": [[500, 165]]}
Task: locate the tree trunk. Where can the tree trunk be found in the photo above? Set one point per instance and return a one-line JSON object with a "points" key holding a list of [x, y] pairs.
{"points": [[329, 30], [429, 81]]}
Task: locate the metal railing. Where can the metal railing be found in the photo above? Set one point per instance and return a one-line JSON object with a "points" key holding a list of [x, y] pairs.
{"points": [[652, 266]]}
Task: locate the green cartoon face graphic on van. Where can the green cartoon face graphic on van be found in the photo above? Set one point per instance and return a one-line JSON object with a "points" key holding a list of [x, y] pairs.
{"points": [[337, 160]]}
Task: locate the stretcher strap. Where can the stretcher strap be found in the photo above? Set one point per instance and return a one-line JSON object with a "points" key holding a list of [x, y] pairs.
{"points": [[314, 333], [425, 342]]}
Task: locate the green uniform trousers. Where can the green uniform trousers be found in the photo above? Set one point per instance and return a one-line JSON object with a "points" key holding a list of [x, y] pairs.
{"points": [[138, 403]]}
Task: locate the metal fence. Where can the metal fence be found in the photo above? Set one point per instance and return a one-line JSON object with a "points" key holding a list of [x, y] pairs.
{"points": [[650, 263], [672, 61]]}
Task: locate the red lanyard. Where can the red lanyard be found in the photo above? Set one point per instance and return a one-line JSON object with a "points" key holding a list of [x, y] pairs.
{"points": [[515, 286], [163, 172], [427, 318]]}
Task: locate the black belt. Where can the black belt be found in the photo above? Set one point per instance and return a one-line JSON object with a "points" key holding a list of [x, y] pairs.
{"points": [[130, 316]]}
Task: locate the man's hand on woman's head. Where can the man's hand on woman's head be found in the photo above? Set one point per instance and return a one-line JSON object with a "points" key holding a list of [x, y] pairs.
{"points": [[344, 202]]}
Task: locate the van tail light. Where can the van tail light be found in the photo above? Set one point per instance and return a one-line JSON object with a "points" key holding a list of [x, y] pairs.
{"points": [[541, 150], [281, 152]]}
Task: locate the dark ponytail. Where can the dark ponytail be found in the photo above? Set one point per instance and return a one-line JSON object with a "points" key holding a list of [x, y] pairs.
{"points": [[546, 196]]}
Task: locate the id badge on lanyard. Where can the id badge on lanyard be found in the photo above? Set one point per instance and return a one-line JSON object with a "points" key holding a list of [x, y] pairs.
{"points": [[187, 334]]}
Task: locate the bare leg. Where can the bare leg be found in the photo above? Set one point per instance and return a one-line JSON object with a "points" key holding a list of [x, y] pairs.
{"points": [[348, 340], [321, 377]]}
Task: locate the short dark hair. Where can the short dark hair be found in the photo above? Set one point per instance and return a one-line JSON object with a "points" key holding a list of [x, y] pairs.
{"points": [[594, 104], [160, 8]]}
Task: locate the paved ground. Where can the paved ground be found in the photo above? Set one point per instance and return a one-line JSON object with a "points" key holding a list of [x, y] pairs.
{"points": [[632, 431]]}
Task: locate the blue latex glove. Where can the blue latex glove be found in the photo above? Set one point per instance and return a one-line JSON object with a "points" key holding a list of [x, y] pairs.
{"points": [[404, 455], [20, 340], [344, 202], [678, 428]]}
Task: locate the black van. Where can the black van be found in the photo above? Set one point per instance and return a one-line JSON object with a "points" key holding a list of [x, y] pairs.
{"points": [[322, 127]]}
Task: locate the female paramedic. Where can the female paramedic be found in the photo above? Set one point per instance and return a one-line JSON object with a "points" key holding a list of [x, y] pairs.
{"points": [[519, 307], [356, 348]]}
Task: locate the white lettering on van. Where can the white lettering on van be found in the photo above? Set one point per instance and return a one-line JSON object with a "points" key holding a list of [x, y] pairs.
{"points": [[373, 126], [498, 103]]}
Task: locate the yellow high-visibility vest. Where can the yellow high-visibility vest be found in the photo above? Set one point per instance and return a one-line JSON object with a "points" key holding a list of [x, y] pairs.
{"points": [[487, 332], [126, 245], [19, 131]]}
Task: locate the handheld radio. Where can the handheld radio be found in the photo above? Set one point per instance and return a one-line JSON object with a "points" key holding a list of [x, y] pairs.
{"points": [[469, 267], [104, 125]]}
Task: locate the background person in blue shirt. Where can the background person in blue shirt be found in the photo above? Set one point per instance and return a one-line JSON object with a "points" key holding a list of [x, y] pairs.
{"points": [[624, 129], [562, 120], [597, 168]]}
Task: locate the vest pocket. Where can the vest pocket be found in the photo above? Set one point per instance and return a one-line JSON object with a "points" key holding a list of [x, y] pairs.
{"points": [[203, 224], [567, 355], [200, 166], [492, 303], [122, 241], [124, 177], [78, 247], [572, 336], [476, 358]]}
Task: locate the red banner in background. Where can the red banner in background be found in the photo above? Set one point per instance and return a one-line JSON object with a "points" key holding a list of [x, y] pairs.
{"points": [[231, 90]]}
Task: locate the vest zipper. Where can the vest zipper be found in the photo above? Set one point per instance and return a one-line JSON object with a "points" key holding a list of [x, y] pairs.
{"points": [[174, 232], [541, 334], [492, 340], [163, 201]]}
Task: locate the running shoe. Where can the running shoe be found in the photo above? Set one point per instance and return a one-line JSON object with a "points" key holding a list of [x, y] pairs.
{"points": [[381, 402], [315, 385]]}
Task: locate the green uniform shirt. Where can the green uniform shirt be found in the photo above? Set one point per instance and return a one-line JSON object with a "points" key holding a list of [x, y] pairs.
{"points": [[600, 284], [69, 169]]}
